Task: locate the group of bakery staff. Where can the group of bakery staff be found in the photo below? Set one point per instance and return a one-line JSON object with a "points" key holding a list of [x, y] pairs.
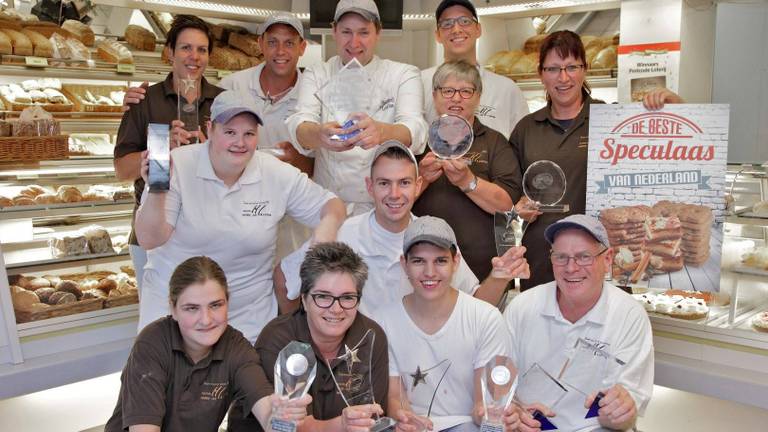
{"points": [[229, 272]]}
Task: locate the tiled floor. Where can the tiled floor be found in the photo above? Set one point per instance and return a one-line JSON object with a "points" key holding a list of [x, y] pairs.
{"points": [[86, 405]]}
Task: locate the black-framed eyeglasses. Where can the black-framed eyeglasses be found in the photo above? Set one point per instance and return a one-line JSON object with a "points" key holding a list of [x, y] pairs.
{"points": [[582, 259], [571, 69], [448, 92], [463, 21], [346, 301]]}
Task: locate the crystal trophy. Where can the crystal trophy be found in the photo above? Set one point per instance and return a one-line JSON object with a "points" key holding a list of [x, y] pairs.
{"points": [[186, 105], [544, 183], [538, 386], [352, 373], [508, 229], [498, 382], [419, 390], [295, 371], [349, 91], [450, 137], [590, 369]]}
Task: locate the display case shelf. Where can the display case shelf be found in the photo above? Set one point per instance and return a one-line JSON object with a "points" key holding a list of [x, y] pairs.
{"points": [[80, 208], [65, 262]]}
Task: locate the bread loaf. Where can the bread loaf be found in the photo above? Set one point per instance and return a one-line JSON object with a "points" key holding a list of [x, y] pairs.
{"points": [[21, 44], [37, 283], [114, 52], [23, 300], [22, 201], [62, 246], [224, 58], [140, 38], [41, 45], [80, 31], [526, 64], [54, 96], [6, 47], [98, 240], [47, 198], [607, 58], [48, 29], [61, 297], [533, 43], [6, 202], [44, 294], [505, 62], [70, 287], [247, 43]]}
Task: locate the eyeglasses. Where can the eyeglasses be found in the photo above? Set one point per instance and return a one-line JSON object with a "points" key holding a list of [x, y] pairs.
{"points": [[583, 259], [463, 21], [569, 69], [465, 93], [346, 301]]}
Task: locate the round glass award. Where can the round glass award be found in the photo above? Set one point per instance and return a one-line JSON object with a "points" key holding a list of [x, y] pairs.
{"points": [[544, 183], [450, 137]]}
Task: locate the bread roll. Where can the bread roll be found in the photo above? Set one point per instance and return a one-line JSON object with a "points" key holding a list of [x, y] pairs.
{"points": [[107, 285], [80, 31], [114, 52], [21, 43], [37, 283], [61, 297], [70, 287], [605, 59], [40, 44], [69, 194], [505, 64], [6, 202], [94, 294], [140, 38], [526, 64], [23, 201], [23, 300], [533, 43], [54, 279], [47, 198], [6, 47], [44, 294]]}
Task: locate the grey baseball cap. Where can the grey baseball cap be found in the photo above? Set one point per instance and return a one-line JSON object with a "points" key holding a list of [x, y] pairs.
{"points": [[386, 145], [365, 8], [230, 103], [431, 230], [579, 221], [282, 18]]}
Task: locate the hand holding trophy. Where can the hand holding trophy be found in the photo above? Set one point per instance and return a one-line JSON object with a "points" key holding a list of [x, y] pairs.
{"points": [[418, 390], [450, 137], [352, 374], [498, 383], [295, 371]]}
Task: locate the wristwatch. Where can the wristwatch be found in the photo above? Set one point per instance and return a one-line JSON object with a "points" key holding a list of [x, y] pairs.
{"points": [[471, 186]]}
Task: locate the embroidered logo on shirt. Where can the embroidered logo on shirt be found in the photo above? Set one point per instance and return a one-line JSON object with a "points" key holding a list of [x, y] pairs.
{"points": [[256, 208], [583, 142], [477, 157], [597, 343], [386, 104], [213, 391], [485, 111]]}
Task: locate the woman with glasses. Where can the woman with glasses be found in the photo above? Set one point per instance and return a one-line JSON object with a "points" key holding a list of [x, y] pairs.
{"points": [[332, 280], [559, 132], [472, 188]]}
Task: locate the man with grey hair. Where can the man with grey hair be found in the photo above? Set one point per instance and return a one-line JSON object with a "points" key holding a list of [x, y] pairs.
{"points": [[457, 31], [457, 191], [341, 154], [546, 320]]}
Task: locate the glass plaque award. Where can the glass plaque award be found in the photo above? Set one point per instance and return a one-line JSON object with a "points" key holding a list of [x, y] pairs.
{"points": [[450, 137], [419, 390], [508, 229], [499, 382], [187, 106], [348, 91], [538, 386], [295, 371], [544, 183], [352, 373], [590, 369]]}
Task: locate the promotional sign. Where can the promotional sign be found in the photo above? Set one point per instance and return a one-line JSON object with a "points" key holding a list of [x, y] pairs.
{"points": [[656, 180], [645, 67]]}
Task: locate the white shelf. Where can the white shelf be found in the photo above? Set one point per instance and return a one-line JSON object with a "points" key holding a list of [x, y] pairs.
{"points": [[49, 210]]}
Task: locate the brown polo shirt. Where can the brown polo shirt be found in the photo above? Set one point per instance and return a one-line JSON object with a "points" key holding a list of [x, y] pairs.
{"points": [[159, 106], [326, 401], [539, 136], [493, 160], [161, 386]]}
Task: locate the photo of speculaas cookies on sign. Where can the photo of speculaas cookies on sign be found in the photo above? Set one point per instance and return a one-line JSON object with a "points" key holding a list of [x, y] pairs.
{"points": [[659, 239]]}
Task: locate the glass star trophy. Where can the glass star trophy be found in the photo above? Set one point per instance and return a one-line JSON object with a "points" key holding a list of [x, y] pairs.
{"points": [[349, 91], [544, 183], [591, 369], [352, 373], [498, 382], [295, 371], [418, 392], [537, 386], [450, 137], [186, 104]]}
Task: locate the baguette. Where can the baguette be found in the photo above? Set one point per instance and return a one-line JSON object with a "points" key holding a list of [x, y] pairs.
{"points": [[21, 43], [80, 31], [40, 44]]}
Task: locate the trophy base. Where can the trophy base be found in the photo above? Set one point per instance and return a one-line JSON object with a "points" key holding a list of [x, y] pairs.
{"points": [[283, 425], [383, 424], [558, 208], [490, 427]]}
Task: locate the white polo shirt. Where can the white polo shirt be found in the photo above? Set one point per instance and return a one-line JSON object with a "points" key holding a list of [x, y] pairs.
{"points": [[471, 336], [617, 323], [399, 94], [272, 114], [381, 250], [235, 226], [502, 103]]}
